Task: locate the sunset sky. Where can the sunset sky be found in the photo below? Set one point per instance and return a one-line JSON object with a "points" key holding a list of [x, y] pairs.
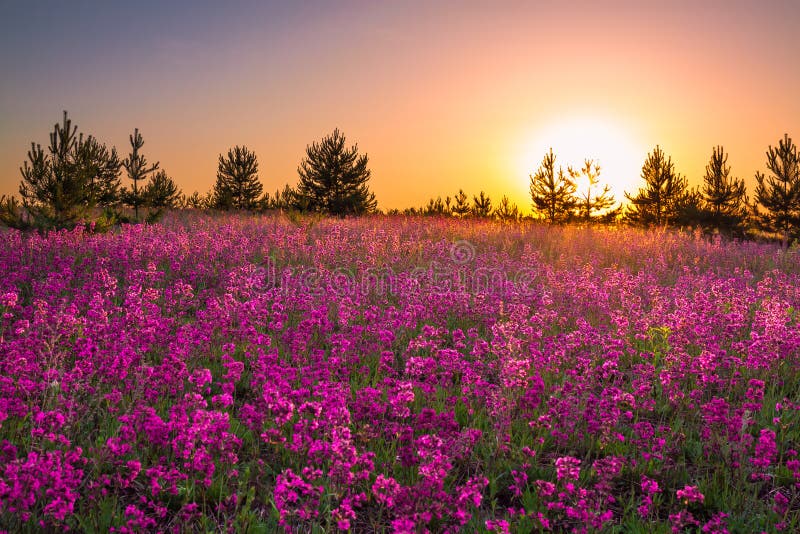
{"points": [[440, 95]]}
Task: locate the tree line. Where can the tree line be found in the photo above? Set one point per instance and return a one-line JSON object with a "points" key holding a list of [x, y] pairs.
{"points": [[720, 204], [77, 177]]}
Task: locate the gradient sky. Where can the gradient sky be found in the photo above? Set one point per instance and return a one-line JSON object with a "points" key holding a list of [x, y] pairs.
{"points": [[441, 95]]}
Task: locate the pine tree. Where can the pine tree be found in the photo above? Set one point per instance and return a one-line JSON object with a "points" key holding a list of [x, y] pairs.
{"points": [[334, 179], [461, 208], [507, 211], [237, 186], [724, 196], [436, 207], [591, 201], [657, 202], [194, 201], [138, 170], [161, 191], [690, 210], [552, 192], [60, 186], [13, 215], [288, 199], [197, 201], [283, 199], [481, 205], [779, 193], [101, 172]]}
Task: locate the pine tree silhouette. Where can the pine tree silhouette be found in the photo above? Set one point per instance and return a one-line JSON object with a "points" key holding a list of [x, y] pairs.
{"points": [[658, 202], [194, 201], [59, 187], [461, 208], [481, 205], [161, 191], [779, 193], [724, 196], [138, 170], [334, 179], [507, 211], [436, 207], [237, 186], [591, 201], [552, 192]]}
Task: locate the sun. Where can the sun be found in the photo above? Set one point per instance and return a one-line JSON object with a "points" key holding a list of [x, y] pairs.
{"points": [[575, 139]]}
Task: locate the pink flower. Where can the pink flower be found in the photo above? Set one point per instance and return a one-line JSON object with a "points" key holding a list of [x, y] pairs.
{"points": [[498, 525], [223, 400], [716, 525], [690, 494], [650, 486], [781, 503], [568, 467], [404, 525], [8, 300], [765, 450], [200, 378], [385, 490], [546, 488]]}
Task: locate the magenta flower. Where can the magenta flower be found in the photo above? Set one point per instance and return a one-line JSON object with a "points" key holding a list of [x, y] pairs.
{"points": [[568, 468], [690, 494], [499, 525]]}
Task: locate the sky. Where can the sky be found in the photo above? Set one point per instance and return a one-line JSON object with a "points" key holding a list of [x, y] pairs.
{"points": [[440, 95]]}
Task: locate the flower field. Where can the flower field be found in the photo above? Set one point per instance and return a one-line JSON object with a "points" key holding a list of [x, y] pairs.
{"points": [[262, 374]]}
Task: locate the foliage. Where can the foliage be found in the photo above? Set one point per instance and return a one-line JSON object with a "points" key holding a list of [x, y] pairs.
{"points": [[284, 199], [612, 216], [59, 188], [195, 201], [507, 211], [101, 170], [437, 206], [334, 179], [724, 196], [138, 170], [590, 203], [690, 211], [461, 208], [778, 194], [481, 205], [552, 192], [657, 203], [13, 215], [161, 191], [237, 186]]}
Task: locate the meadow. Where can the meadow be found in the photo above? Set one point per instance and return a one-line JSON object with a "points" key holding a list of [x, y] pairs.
{"points": [[393, 374]]}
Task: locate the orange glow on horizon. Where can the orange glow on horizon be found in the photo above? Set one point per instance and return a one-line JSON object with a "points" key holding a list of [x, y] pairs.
{"points": [[576, 139], [441, 99]]}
